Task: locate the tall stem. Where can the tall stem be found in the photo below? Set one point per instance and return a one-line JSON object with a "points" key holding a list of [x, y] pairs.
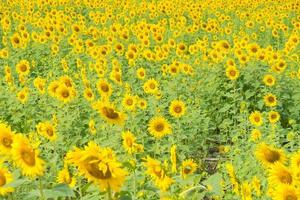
{"points": [[41, 189], [109, 193]]}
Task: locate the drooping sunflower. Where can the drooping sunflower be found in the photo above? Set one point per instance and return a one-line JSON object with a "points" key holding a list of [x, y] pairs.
{"points": [[26, 157], [269, 155], [47, 129], [65, 177], [232, 72], [280, 174], [177, 108], [270, 100], [256, 118], [23, 68], [5, 179], [98, 165], [188, 167], [109, 113], [286, 192], [273, 117], [6, 139], [159, 127]]}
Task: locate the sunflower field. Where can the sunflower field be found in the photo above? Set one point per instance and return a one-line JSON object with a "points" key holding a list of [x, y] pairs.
{"points": [[150, 99]]}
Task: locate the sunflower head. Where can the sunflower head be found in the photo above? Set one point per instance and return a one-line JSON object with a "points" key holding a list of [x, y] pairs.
{"points": [[269, 155], [188, 167], [159, 127], [177, 108], [6, 139]]}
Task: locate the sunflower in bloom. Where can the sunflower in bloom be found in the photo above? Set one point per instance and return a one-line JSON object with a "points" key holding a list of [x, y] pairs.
{"points": [[92, 127], [5, 179], [23, 95], [255, 134], [129, 143], [295, 160], [177, 108], [273, 117], [47, 129], [270, 100], [280, 174], [26, 157], [104, 88], [159, 127], [256, 118], [141, 73], [109, 113], [65, 177], [23, 68], [286, 192], [6, 139], [269, 155], [129, 102], [151, 86], [158, 173], [232, 72], [188, 167], [98, 165], [269, 80], [65, 94]]}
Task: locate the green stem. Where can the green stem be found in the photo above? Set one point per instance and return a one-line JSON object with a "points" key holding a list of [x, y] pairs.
{"points": [[41, 189], [109, 193]]}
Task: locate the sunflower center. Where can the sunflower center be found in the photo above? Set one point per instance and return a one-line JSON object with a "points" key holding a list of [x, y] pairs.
{"points": [[2, 179], [152, 86], [232, 73], [65, 94], [93, 169], [271, 99], [104, 88], [129, 102], [178, 109], [159, 127], [290, 197], [110, 113], [7, 142], [23, 68], [273, 116], [129, 142], [286, 178], [50, 132], [272, 156], [16, 40], [187, 170], [28, 157]]}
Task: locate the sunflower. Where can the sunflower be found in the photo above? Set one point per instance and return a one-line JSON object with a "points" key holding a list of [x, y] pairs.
{"points": [[5, 179], [273, 117], [104, 88], [109, 113], [26, 157], [16, 41], [52, 88], [286, 192], [295, 161], [158, 173], [232, 72], [65, 177], [269, 80], [23, 95], [40, 83], [142, 103], [88, 94], [6, 139], [65, 94], [177, 108], [159, 127], [47, 129], [256, 118], [98, 165], [92, 127], [255, 135], [269, 155], [141, 73], [279, 174], [128, 141], [23, 68], [129, 102], [270, 100], [151, 86], [188, 167]]}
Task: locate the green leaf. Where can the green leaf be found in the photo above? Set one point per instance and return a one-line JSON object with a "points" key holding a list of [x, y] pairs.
{"points": [[214, 181]]}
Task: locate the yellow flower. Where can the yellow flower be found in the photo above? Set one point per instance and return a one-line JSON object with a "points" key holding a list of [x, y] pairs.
{"points": [[6, 139], [23, 68], [269, 80], [65, 177], [23, 95], [128, 142], [159, 127], [141, 73], [269, 155], [177, 108], [5, 179], [246, 193], [109, 113], [273, 117], [92, 127], [279, 174], [256, 185], [40, 83], [47, 129], [270, 100], [232, 72], [255, 134], [286, 192], [295, 160], [104, 88], [26, 157], [65, 94], [129, 102], [98, 165], [188, 167], [88, 94], [256, 118], [151, 86]]}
